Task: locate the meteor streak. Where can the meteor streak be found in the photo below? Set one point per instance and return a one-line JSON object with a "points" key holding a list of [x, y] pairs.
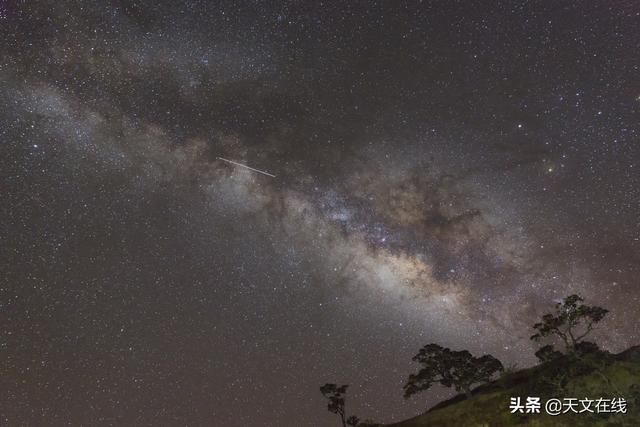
{"points": [[245, 166]]}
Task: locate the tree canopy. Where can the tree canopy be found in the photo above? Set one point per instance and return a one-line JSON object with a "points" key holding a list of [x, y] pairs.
{"points": [[572, 321], [458, 369], [335, 395]]}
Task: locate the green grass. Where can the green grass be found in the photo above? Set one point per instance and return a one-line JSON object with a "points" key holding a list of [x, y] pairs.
{"points": [[617, 376]]}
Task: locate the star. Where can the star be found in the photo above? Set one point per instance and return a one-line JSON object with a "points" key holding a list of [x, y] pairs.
{"points": [[407, 182]]}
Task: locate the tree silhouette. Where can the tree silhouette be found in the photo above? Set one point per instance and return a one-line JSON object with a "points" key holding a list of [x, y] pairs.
{"points": [[335, 396], [459, 369], [547, 353], [571, 322]]}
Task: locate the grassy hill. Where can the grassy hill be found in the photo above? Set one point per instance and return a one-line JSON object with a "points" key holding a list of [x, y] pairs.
{"points": [[597, 375]]}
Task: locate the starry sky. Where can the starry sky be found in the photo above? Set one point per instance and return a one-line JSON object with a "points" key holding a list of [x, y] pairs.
{"points": [[444, 172]]}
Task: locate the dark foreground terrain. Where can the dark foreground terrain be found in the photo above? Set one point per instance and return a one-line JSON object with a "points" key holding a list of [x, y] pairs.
{"points": [[597, 375]]}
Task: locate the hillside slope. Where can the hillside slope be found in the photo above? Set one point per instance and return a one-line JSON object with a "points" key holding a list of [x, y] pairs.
{"points": [[603, 375]]}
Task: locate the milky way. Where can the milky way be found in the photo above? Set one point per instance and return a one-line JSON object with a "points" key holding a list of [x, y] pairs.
{"points": [[443, 171]]}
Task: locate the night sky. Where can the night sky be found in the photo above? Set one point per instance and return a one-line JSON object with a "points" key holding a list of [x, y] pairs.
{"points": [[444, 172]]}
